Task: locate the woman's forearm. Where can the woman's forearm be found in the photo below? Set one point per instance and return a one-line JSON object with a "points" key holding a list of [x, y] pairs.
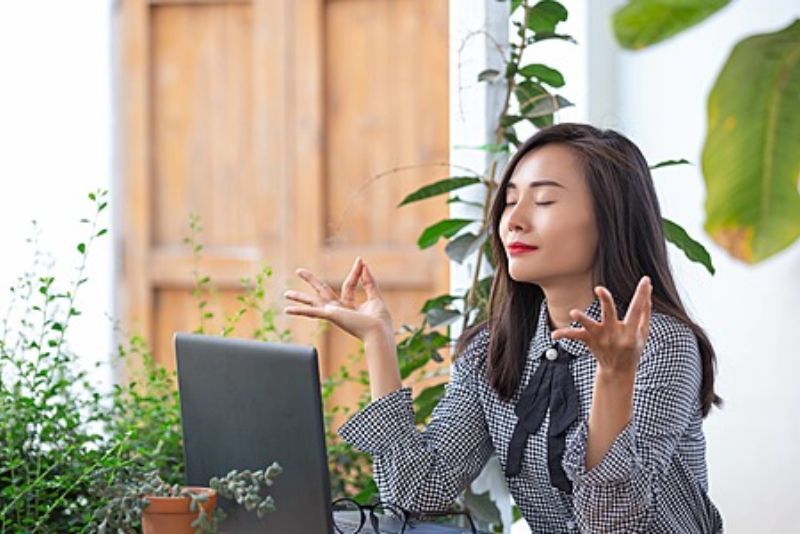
{"points": [[381, 354], [612, 408]]}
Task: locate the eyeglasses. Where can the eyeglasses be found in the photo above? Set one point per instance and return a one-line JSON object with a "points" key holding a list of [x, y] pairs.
{"points": [[350, 516]]}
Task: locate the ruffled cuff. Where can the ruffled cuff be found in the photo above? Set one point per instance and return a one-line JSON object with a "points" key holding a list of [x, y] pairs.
{"points": [[618, 465], [381, 423]]}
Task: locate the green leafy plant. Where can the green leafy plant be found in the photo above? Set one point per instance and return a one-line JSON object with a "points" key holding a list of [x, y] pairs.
{"points": [[750, 156], [68, 448], [128, 497], [51, 440], [245, 488]]}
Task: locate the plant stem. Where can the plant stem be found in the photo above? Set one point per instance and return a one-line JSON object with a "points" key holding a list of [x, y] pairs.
{"points": [[490, 181]]}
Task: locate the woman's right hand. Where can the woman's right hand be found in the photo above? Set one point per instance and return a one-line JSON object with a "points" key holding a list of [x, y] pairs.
{"points": [[362, 321]]}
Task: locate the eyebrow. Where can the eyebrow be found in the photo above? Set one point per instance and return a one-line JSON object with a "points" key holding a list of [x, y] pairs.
{"points": [[537, 183]]}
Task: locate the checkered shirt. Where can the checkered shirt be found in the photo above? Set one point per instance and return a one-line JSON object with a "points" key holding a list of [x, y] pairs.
{"points": [[653, 479]]}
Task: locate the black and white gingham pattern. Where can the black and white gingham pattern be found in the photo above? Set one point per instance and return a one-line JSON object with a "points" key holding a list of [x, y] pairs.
{"points": [[653, 479]]}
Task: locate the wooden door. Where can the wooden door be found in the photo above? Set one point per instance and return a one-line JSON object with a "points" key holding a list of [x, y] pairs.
{"points": [[270, 120]]}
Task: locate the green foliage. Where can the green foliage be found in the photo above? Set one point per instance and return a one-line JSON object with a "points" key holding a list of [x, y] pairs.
{"points": [[246, 488], [126, 498], [71, 452], [642, 23], [52, 444]]}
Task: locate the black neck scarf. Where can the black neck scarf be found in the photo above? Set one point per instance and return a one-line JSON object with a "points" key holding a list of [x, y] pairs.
{"points": [[551, 386]]}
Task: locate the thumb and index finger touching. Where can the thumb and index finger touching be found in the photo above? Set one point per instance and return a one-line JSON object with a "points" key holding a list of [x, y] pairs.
{"points": [[369, 284]]}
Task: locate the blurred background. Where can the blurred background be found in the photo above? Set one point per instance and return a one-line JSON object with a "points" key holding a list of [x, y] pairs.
{"points": [[292, 130]]}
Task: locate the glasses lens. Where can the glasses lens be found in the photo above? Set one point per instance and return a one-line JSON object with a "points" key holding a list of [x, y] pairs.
{"points": [[346, 516], [387, 518]]}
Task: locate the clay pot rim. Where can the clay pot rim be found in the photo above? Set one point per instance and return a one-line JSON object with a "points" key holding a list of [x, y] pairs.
{"points": [[179, 504]]}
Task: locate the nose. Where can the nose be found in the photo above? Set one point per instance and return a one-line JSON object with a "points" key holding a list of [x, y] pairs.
{"points": [[516, 219]]}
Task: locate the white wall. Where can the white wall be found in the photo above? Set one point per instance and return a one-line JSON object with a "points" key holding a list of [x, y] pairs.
{"points": [[749, 312], [55, 147]]}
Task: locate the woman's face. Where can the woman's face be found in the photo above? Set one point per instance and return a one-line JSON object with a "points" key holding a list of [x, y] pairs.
{"points": [[549, 206]]}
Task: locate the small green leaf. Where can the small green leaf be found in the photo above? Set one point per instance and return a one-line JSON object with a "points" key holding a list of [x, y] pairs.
{"points": [[489, 75], [440, 187], [445, 228], [441, 317], [543, 73], [438, 302], [693, 250], [669, 162], [463, 246], [82, 248], [535, 101], [641, 23], [544, 16]]}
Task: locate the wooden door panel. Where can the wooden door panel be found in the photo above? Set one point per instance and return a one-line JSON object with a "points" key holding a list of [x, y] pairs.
{"points": [[269, 119]]}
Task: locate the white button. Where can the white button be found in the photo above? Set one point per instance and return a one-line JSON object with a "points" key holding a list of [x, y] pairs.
{"points": [[551, 353], [571, 524]]}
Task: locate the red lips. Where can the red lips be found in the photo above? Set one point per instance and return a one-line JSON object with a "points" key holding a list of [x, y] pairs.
{"points": [[518, 246]]}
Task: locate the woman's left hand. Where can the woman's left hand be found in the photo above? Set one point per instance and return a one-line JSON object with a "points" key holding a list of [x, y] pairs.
{"points": [[617, 345]]}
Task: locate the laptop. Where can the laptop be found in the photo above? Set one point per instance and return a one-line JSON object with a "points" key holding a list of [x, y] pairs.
{"points": [[246, 404]]}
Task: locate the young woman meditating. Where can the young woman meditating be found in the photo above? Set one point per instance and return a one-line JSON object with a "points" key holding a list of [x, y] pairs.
{"points": [[588, 380]]}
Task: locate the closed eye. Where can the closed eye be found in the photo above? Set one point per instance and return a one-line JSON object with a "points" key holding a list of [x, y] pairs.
{"points": [[537, 203]]}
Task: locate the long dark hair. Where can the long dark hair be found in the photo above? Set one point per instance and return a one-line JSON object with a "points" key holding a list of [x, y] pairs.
{"points": [[628, 219]]}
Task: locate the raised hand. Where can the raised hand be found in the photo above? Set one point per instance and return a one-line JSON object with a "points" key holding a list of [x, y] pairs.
{"points": [[372, 316], [617, 345]]}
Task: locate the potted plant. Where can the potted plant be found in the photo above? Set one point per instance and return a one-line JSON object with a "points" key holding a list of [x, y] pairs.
{"points": [[180, 510], [144, 499]]}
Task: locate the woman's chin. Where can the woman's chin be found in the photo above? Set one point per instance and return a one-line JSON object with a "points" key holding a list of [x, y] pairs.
{"points": [[524, 278]]}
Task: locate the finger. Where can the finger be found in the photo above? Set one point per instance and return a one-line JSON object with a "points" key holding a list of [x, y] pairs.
{"points": [[586, 321], [571, 333], [351, 283], [307, 311], [644, 324], [299, 296], [636, 307], [608, 308], [323, 289], [370, 286]]}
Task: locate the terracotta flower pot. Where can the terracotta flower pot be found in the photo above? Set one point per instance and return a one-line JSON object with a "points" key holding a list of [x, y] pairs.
{"points": [[171, 515]]}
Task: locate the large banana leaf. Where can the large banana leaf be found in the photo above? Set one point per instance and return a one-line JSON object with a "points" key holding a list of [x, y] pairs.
{"points": [[641, 23], [751, 157]]}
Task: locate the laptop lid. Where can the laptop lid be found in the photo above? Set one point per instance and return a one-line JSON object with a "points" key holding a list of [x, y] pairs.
{"points": [[245, 404]]}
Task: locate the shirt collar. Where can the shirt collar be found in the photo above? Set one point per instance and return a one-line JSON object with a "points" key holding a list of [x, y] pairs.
{"points": [[542, 341]]}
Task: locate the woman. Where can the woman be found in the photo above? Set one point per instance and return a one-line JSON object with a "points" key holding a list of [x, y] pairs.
{"points": [[588, 380]]}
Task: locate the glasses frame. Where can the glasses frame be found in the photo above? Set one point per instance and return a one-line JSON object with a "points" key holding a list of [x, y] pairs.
{"points": [[364, 508], [409, 516]]}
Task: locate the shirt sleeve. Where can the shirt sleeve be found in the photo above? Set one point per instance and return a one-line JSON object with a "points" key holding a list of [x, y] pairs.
{"points": [[427, 470], [617, 495]]}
